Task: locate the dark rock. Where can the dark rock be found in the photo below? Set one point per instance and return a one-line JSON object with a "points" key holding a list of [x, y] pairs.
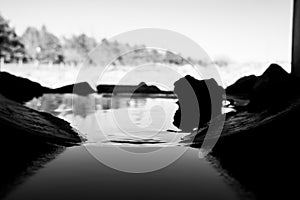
{"points": [[23, 90], [255, 149], [82, 88], [34, 127], [29, 138], [141, 88], [242, 87], [199, 102], [274, 88], [144, 88], [20, 89]]}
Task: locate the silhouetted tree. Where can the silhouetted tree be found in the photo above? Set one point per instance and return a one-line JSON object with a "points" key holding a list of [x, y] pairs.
{"points": [[11, 49]]}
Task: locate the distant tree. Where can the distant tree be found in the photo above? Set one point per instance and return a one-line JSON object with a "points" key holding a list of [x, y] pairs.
{"points": [[46, 47], [72, 55], [42, 45], [85, 43], [76, 49], [222, 60], [156, 56], [11, 48], [31, 39], [173, 58], [51, 48]]}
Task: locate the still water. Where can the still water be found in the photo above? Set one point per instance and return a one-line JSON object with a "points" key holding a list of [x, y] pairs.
{"points": [[123, 134]]}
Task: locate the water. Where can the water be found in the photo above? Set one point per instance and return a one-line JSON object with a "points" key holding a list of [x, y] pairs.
{"points": [[75, 174], [105, 119], [139, 127]]}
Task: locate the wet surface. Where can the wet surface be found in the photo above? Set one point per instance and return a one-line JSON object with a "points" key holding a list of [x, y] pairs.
{"points": [[136, 127], [119, 119], [75, 174]]}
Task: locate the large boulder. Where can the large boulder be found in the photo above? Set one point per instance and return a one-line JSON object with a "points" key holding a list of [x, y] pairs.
{"points": [[34, 127], [20, 89], [198, 102], [23, 90], [242, 87], [251, 145], [273, 89]]}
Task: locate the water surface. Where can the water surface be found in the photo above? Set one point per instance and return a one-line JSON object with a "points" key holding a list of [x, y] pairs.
{"points": [[139, 126]]}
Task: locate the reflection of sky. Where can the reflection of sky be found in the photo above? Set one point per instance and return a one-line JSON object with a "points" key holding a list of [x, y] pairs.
{"points": [[242, 30], [117, 118]]}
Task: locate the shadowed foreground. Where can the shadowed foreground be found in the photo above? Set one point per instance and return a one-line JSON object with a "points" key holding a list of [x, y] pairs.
{"points": [[21, 160], [30, 139], [256, 142], [33, 126]]}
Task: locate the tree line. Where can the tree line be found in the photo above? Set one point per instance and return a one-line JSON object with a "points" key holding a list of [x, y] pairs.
{"points": [[43, 46]]}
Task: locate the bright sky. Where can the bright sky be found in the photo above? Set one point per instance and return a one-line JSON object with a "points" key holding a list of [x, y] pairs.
{"points": [[243, 30]]}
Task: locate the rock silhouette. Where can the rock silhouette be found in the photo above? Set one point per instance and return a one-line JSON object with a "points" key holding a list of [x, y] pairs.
{"points": [[242, 87], [82, 88], [141, 88], [249, 144], [253, 148], [29, 138], [34, 127], [23, 90], [20, 89], [198, 100], [274, 88]]}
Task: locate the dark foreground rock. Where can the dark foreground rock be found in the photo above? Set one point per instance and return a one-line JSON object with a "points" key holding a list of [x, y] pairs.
{"points": [[198, 102], [30, 139], [20, 89], [242, 87], [31, 127], [256, 145], [274, 88], [257, 149]]}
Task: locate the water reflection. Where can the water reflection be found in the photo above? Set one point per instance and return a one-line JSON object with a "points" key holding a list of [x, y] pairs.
{"points": [[63, 104], [95, 116], [118, 119]]}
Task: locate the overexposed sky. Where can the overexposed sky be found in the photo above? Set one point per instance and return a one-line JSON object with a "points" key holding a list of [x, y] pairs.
{"points": [[243, 30]]}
